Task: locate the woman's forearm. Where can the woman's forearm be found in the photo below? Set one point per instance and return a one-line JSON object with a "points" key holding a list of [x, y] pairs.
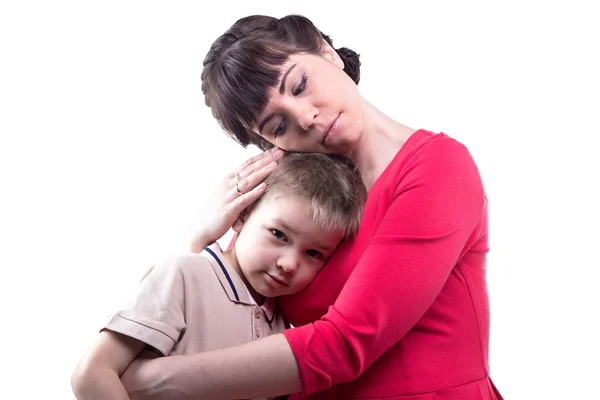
{"points": [[98, 383], [261, 368]]}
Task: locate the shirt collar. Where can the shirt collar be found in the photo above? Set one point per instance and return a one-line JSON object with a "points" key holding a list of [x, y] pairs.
{"points": [[232, 283]]}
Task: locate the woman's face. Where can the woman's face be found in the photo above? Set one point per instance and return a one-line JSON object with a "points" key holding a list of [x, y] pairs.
{"points": [[315, 107]]}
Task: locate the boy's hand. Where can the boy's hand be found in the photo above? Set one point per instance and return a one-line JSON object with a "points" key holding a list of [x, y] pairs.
{"points": [[226, 203], [97, 374]]}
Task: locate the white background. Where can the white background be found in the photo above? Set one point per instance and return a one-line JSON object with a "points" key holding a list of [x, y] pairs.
{"points": [[107, 151]]}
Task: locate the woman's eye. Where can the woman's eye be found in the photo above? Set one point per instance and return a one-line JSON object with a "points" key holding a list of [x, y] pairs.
{"points": [[279, 130], [313, 253], [278, 234], [301, 86]]}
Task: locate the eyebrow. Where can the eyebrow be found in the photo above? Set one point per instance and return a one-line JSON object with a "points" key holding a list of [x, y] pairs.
{"points": [[282, 85], [284, 226], [288, 229], [281, 91]]}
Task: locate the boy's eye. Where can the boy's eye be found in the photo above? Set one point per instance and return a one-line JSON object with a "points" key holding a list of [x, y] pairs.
{"points": [[278, 234], [301, 86], [313, 253]]}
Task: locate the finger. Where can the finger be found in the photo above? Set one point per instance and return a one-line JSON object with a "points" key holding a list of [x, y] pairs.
{"points": [[237, 174], [236, 188], [255, 178], [244, 200], [252, 160], [261, 163]]}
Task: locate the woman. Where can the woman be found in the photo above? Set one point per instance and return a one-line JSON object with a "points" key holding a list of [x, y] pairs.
{"points": [[399, 311]]}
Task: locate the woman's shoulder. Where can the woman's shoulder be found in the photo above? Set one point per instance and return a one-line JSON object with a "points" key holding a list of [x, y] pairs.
{"points": [[427, 146], [424, 153], [425, 140]]}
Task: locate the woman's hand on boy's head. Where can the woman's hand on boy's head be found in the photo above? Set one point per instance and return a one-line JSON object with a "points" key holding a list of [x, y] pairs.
{"points": [[238, 190], [255, 170]]}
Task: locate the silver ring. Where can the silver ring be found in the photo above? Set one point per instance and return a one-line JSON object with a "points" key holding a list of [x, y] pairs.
{"points": [[237, 189]]}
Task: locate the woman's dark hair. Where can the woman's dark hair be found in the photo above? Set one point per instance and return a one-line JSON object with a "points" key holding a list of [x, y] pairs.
{"points": [[244, 63]]}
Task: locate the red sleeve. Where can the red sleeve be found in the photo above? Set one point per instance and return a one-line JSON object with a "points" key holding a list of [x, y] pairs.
{"points": [[437, 203]]}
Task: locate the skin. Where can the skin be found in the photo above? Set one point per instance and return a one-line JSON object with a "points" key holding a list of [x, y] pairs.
{"points": [[316, 91], [281, 246], [97, 374], [278, 251]]}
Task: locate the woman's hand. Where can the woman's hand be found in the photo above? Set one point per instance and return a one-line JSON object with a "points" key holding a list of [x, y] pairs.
{"points": [[237, 191]]}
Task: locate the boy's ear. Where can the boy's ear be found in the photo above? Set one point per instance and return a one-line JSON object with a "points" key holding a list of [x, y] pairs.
{"points": [[239, 222]]}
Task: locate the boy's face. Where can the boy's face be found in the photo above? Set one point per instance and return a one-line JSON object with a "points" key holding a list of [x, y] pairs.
{"points": [[280, 248]]}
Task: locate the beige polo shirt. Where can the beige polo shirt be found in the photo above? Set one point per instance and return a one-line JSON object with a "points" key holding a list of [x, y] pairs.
{"points": [[193, 303]]}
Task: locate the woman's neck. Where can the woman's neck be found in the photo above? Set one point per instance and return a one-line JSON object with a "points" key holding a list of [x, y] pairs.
{"points": [[381, 141]]}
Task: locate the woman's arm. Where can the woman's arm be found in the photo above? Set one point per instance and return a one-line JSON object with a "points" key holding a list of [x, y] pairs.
{"points": [[261, 368], [436, 214], [97, 374], [399, 275]]}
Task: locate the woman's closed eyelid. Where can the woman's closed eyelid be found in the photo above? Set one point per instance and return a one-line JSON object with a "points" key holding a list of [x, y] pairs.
{"points": [[280, 128], [301, 86]]}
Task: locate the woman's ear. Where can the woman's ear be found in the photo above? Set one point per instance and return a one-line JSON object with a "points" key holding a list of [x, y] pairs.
{"points": [[331, 55]]}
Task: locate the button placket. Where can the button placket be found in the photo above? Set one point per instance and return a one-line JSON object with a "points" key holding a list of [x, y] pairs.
{"points": [[258, 314]]}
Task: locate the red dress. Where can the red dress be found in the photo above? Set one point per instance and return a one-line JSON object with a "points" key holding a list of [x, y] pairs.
{"points": [[401, 311]]}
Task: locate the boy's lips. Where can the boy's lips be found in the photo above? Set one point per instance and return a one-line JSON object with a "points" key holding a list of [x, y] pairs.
{"points": [[279, 281]]}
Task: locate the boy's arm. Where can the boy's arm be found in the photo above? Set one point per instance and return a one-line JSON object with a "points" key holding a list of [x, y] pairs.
{"points": [[153, 315], [97, 376]]}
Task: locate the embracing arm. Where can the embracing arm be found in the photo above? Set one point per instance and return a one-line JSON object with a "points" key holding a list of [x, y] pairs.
{"points": [[433, 218], [262, 368], [97, 374], [417, 243]]}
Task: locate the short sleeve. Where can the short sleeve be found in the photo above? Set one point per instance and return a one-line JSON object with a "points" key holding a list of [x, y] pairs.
{"points": [[155, 314]]}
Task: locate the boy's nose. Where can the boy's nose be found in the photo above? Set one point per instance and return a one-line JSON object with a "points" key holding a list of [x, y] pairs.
{"points": [[289, 264]]}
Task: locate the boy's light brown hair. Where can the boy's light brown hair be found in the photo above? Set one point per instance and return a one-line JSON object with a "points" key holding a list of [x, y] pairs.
{"points": [[330, 184]]}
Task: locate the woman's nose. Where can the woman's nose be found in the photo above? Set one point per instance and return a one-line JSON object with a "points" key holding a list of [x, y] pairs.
{"points": [[307, 114]]}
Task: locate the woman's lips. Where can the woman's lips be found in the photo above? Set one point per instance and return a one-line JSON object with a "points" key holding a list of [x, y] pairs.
{"points": [[331, 129]]}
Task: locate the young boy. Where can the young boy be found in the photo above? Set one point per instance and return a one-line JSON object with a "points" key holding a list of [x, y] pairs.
{"points": [[198, 302]]}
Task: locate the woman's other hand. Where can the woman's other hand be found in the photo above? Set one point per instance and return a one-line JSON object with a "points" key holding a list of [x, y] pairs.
{"points": [[238, 190]]}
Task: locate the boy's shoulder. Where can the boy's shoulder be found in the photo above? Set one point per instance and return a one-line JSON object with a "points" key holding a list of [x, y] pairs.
{"points": [[187, 263], [208, 267], [204, 272]]}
